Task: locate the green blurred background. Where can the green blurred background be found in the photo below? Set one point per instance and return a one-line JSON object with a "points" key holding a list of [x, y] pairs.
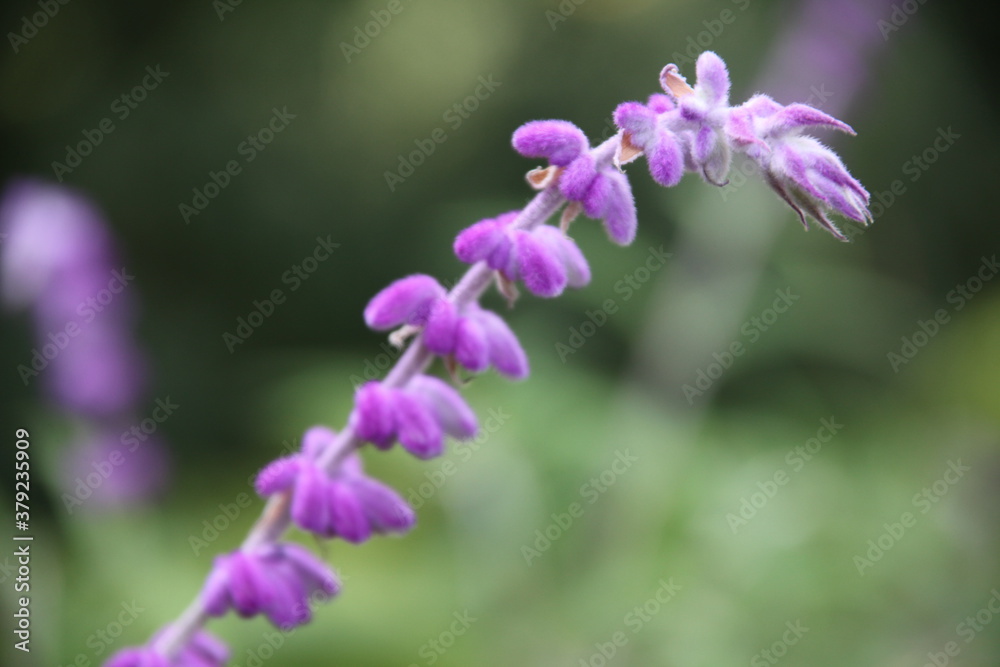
{"points": [[667, 516]]}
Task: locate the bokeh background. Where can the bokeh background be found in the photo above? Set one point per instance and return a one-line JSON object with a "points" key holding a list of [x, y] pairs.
{"points": [[902, 74]]}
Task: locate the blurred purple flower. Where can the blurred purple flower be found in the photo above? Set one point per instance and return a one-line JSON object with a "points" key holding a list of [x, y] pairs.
{"points": [[102, 471], [59, 261]]}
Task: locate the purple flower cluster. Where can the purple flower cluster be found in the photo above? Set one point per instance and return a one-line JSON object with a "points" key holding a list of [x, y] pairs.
{"points": [[544, 258], [418, 416], [695, 129], [346, 503], [474, 337], [57, 259], [601, 190], [323, 489]]}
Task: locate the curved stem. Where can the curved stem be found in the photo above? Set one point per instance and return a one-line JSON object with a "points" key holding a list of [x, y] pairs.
{"points": [[275, 518]]}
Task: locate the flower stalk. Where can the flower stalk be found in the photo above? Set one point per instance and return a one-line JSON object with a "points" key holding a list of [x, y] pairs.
{"points": [[323, 488]]}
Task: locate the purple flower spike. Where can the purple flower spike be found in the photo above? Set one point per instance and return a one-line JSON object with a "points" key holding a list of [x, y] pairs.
{"points": [[558, 140], [406, 301], [277, 580]]}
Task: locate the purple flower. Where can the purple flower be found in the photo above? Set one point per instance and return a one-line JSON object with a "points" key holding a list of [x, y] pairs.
{"points": [[418, 415], [406, 301], [53, 235], [203, 650], [701, 116], [476, 338], [99, 372], [346, 503], [604, 193], [696, 129], [801, 170], [643, 132], [544, 258], [559, 141], [278, 580]]}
